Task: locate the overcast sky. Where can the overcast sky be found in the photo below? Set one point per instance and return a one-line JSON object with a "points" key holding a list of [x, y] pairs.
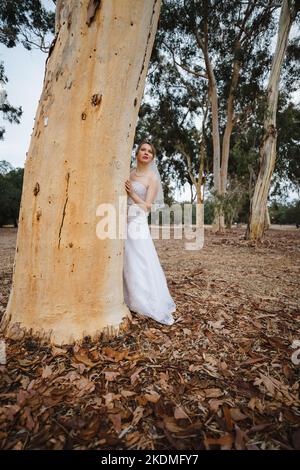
{"points": [[25, 72]]}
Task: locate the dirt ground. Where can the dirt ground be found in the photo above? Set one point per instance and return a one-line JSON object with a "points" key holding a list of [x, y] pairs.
{"points": [[224, 376]]}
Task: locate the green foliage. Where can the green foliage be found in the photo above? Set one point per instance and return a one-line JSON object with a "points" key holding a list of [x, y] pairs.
{"points": [[208, 211], [285, 213], [232, 202], [11, 182], [288, 145], [26, 22]]}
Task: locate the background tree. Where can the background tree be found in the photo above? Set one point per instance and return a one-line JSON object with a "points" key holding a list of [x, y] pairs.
{"points": [[11, 181], [256, 226]]}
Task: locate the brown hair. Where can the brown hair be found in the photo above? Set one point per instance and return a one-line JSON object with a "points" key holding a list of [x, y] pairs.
{"points": [[149, 143]]}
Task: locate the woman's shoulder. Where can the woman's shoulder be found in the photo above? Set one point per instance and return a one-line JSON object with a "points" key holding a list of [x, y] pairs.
{"points": [[153, 176]]}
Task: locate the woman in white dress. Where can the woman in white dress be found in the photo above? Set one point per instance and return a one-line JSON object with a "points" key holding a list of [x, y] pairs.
{"points": [[145, 287]]}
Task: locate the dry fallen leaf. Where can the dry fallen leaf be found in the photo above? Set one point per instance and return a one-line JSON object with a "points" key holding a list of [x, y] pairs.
{"points": [[116, 356], [171, 424], [83, 358], [225, 442], [137, 415], [116, 419], [237, 415], [127, 393], [47, 372], [216, 325], [240, 438], [228, 419], [214, 405], [134, 377], [111, 376], [179, 413], [110, 397], [213, 392], [152, 396], [58, 351]]}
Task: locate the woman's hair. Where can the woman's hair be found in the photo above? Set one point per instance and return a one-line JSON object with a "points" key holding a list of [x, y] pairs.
{"points": [[146, 142]]}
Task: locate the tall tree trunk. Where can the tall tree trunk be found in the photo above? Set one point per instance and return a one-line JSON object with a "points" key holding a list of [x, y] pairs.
{"points": [[267, 219], [192, 195], [218, 224], [229, 126], [256, 225], [67, 282], [198, 184]]}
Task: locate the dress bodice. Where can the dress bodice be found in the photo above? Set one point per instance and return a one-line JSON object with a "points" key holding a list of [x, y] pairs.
{"points": [[134, 210], [140, 190]]}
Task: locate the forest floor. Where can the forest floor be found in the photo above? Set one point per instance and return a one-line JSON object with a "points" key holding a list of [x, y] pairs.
{"points": [[224, 376]]}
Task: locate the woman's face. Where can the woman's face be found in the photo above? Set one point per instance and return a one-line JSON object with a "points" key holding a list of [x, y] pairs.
{"points": [[145, 154]]}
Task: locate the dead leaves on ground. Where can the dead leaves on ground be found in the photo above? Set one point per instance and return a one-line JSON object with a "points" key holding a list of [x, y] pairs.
{"points": [[220, 378]]}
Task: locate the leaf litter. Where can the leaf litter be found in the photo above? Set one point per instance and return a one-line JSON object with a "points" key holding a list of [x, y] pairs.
{"points": [[221, 377]]}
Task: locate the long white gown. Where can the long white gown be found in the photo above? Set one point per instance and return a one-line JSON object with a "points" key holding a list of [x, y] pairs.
{"points": [[145, 287]]}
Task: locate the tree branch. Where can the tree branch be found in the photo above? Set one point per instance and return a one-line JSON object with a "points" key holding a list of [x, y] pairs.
{"points": [[184, 67]]}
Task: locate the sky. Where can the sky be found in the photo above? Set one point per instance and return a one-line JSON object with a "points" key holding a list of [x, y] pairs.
{"points": [[25, 72]]}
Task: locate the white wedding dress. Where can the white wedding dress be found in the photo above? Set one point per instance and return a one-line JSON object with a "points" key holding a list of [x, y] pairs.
{"points": [[145, 287]]}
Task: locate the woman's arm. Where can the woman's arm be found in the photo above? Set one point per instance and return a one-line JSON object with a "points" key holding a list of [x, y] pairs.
{"points": [[150, 197]]}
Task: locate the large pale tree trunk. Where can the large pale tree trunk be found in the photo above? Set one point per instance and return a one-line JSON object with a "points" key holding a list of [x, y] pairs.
{"points": [[67, 282], [256, 225]]}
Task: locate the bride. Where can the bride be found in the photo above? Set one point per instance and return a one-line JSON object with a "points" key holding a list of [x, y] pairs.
{"points": [[145, 287]]}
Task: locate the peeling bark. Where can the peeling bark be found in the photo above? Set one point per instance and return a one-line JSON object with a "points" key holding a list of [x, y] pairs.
{"points": [[93, 6]]}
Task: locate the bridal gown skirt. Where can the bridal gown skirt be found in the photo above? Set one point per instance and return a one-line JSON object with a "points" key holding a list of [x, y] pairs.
{"points": [[144, 282]]}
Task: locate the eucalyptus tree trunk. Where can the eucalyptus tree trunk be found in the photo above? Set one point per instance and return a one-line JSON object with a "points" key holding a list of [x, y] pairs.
{"points": [[67, 282], [229, 125], [267, 219], [218, 223], [258, 204], [198, 183]]}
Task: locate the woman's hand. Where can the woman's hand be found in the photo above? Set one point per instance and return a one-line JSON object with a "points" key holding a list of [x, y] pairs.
{"points": [[129, 188]]}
